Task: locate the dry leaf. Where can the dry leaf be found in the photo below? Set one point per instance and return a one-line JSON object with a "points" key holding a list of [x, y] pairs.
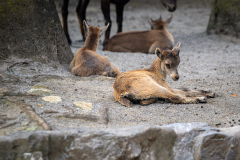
{"points": [[234, 95], [39, 105]]}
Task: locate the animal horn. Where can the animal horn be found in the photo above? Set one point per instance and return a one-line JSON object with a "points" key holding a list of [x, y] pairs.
{"points": [[178, 52], [170, 54], [86, 29], [160, 17], [103, 30], [176, 48], [169, 19]]}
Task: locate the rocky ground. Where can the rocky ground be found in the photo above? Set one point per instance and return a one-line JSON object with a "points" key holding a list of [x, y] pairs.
{"points": [[207, 62]]}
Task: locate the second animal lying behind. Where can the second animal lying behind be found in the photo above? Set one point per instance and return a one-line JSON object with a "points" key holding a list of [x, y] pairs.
{"points": [[143, 41]]}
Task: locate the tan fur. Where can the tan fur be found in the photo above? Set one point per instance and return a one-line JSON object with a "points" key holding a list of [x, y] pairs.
{"points": [[87, 62], [143, 41], [148, 85]]}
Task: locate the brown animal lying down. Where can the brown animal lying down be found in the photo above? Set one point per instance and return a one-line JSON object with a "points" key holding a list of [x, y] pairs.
{"points": [[143, 41], [148, 85], [87, 62]]}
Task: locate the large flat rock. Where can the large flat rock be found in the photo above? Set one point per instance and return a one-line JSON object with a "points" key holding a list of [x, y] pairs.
{"points": [[178, 141]]}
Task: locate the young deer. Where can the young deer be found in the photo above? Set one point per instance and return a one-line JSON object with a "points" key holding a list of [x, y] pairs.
{"points": [[148, 85], [87, 62], [143, 41]]}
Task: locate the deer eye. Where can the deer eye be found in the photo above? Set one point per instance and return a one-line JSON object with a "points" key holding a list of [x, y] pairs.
{"points": [[168, 65]]}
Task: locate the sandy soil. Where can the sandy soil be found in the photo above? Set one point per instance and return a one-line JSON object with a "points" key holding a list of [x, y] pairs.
{"points": [[207, 62]]}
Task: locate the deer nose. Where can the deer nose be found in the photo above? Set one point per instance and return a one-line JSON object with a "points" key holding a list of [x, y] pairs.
{"points": [[176, 77]]}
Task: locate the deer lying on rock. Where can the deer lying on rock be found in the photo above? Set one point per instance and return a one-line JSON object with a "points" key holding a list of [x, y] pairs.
{"points": [[87, 62], [148, 85], [143, 41]]}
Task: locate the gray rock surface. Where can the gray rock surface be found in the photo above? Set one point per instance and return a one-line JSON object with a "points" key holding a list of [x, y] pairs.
{"points": [[31, 29], [180, 141], [139, 142]]}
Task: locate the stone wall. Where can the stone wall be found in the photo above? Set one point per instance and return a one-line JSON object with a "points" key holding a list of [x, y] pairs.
{"points": [[188, 141]]}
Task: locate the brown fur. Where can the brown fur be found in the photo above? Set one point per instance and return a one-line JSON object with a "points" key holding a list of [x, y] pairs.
{"points": [[148, 85], [87, 62], [143, 41], [171, 6]]}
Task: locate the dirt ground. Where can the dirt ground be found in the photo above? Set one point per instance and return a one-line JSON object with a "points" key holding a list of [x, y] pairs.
{"points": [[207, 62]]}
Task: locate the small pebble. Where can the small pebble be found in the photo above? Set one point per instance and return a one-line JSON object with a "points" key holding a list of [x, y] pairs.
{"points": [[218, 124]]}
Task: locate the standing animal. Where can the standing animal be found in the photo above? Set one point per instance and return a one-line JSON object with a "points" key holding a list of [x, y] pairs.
{"points": [[143, 41], [171, 6], [148, 85], [87, 62]]}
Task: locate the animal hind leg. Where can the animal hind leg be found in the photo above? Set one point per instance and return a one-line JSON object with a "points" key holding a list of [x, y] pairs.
{"points": [[179, 98], [105, 7], [125, 101], [64, 20], [79, 71], [195, 93], [148, 101]]}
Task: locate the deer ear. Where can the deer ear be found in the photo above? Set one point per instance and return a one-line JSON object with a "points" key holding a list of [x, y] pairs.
{"points": [[158, 52], [86, 29], [176, 48], [169, 19], [103, 30]]}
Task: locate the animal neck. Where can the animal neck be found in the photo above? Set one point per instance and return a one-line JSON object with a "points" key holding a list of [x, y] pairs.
{"points": [[163, 28], [91, 42], [157, 69]]}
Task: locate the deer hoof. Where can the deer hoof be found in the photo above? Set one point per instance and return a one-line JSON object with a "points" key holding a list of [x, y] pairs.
{"points": [[202, 99]]}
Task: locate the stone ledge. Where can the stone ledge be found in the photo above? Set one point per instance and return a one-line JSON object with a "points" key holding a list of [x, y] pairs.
{"points": [[175, 141]]}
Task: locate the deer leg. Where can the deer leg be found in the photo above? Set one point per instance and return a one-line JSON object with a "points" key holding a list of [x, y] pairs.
{"points": [[126, 102], [195, 93], [105, 7], [79, 71], [174, 98], [81, 13], [119, 10], [148, 101], [64, 20], [72, 64]]}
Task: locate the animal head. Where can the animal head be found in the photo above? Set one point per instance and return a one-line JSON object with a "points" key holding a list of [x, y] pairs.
{"points": [[171, 5], [169, 61], [94, 30], [159, 24]]}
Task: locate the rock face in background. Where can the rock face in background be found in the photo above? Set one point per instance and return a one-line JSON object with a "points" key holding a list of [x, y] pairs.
{"points": [[31, 29], [225, 18], [175, 141]]}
